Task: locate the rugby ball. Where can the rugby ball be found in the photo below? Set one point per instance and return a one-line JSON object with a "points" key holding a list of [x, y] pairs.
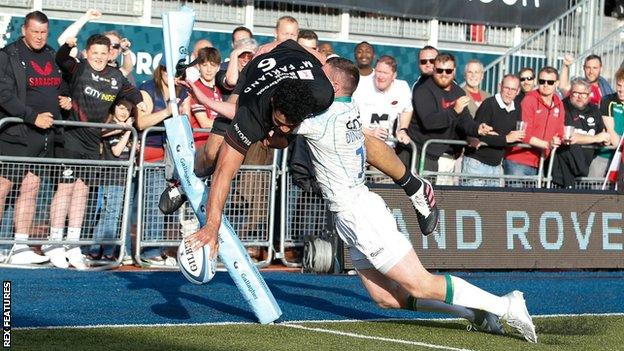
{"points": [[196, 266]]}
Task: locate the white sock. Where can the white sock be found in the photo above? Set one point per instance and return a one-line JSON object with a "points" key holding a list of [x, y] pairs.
{"points": [[73, 234], [56, 233], [465, 294], [20, 237], [426, 305]]}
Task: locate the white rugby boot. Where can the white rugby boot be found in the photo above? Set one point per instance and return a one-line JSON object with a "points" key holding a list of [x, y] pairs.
{"points": [[518, 317]]}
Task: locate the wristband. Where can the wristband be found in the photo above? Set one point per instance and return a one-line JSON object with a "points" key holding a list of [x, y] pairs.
{"points": [[405, 129]]}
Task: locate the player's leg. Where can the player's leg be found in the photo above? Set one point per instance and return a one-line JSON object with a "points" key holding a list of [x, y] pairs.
{"points": [[205, 158], [412, 276], [388, 294], [419, 190]]}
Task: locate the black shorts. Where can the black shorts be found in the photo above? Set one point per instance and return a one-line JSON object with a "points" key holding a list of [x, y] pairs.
{"points": [[69, 173], [220, 125], [15, 171]]}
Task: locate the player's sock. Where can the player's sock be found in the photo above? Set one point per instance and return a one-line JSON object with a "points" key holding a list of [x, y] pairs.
{"points": [[427, 305], [460, 292], [20, 241], [409, 183]]}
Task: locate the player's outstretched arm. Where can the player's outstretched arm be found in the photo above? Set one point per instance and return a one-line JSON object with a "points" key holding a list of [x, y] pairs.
{"points": [[228, 163], [382, 157]]}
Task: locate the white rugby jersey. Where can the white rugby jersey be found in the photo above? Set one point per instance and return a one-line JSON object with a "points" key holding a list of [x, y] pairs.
{"points": [[338, 153], [383, 108]]}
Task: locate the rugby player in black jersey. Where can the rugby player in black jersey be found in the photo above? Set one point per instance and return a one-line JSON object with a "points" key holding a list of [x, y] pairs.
{"points": [[284, 84]]}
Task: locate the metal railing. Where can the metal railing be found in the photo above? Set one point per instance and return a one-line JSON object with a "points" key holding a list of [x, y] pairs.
{"points": [[250, 208], [96, 174], [611, 51], [571, 33], [459, 178]]}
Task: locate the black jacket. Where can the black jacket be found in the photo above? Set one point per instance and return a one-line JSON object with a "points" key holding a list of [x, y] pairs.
{"points": [[27, 139], [435, 118]]}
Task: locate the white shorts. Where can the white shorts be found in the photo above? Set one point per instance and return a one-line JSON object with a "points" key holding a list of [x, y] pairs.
{"points": [[370, 232]]}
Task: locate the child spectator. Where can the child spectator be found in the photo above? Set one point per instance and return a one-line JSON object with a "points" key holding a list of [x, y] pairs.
{"points": [[116, 145]]}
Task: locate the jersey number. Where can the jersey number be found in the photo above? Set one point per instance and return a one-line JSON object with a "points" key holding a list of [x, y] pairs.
{"points": [[267, 64], [360, 152]]}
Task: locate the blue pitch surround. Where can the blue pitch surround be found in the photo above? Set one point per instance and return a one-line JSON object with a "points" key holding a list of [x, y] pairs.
{"points": [[52, 297]]}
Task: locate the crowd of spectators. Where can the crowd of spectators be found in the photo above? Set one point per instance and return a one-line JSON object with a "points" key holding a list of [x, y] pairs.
{"points": [[93, 82]]}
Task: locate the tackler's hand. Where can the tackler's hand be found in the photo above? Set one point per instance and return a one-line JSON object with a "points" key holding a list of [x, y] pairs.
{"points": [[204, 236]]}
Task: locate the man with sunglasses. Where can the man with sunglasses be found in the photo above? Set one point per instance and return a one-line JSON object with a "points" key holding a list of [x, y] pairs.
{"points": [[544, 114], [527, 83], [440, 113], [426, 60]]}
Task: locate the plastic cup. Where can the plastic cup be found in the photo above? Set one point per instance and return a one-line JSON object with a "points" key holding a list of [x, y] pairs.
{"points": [[568, 132], [521, 125]]}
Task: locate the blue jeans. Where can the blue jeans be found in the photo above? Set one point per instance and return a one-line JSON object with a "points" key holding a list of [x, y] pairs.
{"points": [[476, 167], [110, 206], [153, 219], [517, 169]]}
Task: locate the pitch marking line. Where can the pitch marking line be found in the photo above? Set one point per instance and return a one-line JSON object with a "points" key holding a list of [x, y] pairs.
{"points": [[377, 338]]}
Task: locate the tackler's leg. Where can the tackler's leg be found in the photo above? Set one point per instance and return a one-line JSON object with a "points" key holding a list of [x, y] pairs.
{"points": [[419, 190]]}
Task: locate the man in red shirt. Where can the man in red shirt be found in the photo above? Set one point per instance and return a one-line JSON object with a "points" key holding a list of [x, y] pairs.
{"points": [[543, 113]]}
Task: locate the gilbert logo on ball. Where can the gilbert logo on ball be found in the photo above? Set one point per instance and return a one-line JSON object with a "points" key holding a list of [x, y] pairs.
{"points": [[196, 266]]}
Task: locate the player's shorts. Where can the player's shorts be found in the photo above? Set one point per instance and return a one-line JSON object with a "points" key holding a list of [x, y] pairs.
{"points": [[220, 125], [370, 232]]}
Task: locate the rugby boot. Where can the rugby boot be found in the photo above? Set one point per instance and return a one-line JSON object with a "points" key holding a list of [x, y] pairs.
{"points": [[486, 322], [518, 317], [426, 210], [171, 199]]}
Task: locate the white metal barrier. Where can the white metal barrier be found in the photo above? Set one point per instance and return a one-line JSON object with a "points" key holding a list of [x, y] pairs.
{"points": [[250, 208], [99, 175]]}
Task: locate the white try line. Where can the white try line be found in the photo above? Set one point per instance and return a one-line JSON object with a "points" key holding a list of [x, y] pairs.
{"points": [[376, 338]]}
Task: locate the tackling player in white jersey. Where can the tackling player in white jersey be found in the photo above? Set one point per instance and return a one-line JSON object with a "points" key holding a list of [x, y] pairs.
{"points": [[385, 260]]}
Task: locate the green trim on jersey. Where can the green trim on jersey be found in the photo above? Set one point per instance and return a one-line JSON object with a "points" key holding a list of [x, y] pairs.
{"points": [[616, 110], [342, 99]]}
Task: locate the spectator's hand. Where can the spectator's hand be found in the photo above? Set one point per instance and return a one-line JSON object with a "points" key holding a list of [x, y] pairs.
{"points": [[461, 103], [128, 123], [402, 137], [568, 60], [555, 142], [515, 136], [603, 138], [125, 44], [71, 42], [65, 102], [92, 14], [484, 129], [44, 120], [379, 133], [473, 142], [142, 106]]}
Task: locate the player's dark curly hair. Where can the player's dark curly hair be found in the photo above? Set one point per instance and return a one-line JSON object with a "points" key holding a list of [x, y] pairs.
{"points": [[293, 98]]}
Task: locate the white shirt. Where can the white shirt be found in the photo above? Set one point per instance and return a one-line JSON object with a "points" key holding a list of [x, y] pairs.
{"points": [[337, 151], [383, 108]]}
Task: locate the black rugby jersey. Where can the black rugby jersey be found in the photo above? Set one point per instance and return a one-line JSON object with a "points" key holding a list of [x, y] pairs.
{"points": [[93, 93], [288, 60]]}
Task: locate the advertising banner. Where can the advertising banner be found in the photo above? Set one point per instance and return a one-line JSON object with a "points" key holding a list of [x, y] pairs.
{"points": [[490, 229], [523, 13]]}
